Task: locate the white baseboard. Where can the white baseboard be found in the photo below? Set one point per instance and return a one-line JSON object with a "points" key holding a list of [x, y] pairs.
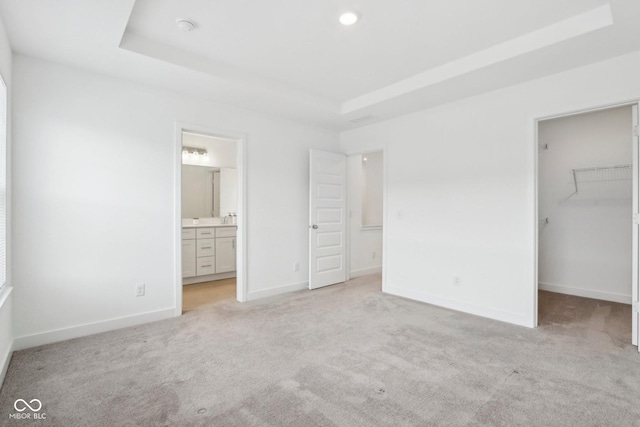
{"points": [[504, 316], [28, 341], [365, 272], [265, 293], [587, 293]]}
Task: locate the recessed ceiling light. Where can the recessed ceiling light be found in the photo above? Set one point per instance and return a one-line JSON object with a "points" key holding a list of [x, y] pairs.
{"points": [[185, 25], [348, 18]]}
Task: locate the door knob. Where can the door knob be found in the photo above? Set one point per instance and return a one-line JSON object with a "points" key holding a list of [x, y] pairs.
{"points": [[314, 226]]}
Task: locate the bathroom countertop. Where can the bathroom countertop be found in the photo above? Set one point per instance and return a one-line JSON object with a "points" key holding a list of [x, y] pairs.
{"points": [[207, 225]]}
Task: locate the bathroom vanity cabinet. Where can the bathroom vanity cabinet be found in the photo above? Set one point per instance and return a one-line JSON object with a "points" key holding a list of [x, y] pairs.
{"points": [[208, 253]]}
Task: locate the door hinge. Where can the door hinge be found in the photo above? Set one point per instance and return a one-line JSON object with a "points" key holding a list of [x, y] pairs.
{"points": [[636, 216], [635, 131], [635, 307]]}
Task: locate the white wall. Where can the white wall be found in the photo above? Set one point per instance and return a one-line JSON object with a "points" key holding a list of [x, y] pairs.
{"points": [[367, 241], [6, 324], [94, 220], [586, 247], [461, 189]]}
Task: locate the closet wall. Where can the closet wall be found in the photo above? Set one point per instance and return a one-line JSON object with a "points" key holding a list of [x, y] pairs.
{"points": [[585, 248]]}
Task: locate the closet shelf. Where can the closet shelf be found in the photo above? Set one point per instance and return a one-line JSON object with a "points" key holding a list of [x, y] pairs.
{"points": [[583, 177]]}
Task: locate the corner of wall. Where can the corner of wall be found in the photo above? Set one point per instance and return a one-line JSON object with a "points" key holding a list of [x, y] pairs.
{"points": [[6, 331], [6, 304]]}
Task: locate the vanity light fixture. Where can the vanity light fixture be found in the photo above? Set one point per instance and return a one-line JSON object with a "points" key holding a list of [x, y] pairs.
{"points": [[185, 25], [348, 18], [194, 152]]}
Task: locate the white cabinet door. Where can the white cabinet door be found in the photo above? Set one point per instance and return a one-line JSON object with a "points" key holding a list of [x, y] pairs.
{"points": [[225, 254], [188, 258]]}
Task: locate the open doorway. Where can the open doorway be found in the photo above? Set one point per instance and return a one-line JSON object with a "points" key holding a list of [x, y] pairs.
{"points": [[587, 194], [209, 219], [366, 190]]}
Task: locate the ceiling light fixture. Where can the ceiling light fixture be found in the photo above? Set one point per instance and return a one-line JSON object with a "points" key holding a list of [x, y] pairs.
{"points": [[348, 18], [185, 25]]}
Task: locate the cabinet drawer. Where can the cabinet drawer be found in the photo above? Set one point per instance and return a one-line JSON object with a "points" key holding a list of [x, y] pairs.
{"points": [[205, 233], [205, 247], [188, 233], [205, 265], [226, 232]]}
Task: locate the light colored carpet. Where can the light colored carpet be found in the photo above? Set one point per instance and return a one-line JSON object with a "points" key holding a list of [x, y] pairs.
{"points": [[345, 355], [601, 323]]}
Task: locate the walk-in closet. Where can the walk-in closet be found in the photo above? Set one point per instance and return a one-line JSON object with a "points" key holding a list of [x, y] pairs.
{"points": [[585, 222]]}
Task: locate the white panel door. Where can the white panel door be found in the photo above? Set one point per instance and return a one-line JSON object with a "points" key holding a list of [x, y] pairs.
{"points": [[327, 219], [635, 337]]}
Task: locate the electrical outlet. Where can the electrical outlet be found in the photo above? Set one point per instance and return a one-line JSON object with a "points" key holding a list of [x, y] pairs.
{"points": [[456, 280], [373, 254], [140, 289], [296, 266]]}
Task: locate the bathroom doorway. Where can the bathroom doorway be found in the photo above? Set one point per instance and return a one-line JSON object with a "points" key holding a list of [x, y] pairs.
{"points": [[209, 207]]}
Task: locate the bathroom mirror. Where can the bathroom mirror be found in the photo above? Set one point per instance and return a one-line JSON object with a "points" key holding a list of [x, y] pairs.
{"points": [[208, 192]]}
